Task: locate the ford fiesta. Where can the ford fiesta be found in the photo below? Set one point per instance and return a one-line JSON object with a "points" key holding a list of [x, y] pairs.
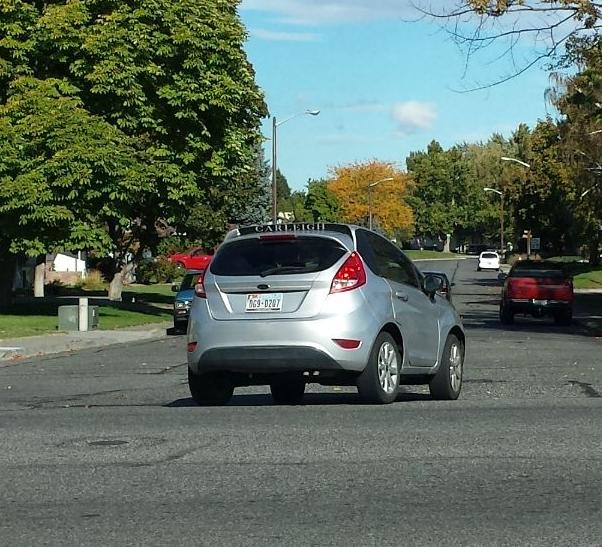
{"points": [[291, 304]]}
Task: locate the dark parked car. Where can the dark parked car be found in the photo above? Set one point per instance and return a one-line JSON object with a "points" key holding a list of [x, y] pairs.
{"points": [[183, 300], [537, 288], [478, 248]]}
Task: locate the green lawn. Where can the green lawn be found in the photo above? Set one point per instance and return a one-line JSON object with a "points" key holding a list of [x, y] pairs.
{"points": [[421, 255], [584, 275], [589, 280], [28, 317]]}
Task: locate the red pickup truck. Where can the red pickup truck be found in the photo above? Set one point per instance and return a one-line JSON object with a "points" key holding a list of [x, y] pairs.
{"points": [[195, 259], [537, 288]]}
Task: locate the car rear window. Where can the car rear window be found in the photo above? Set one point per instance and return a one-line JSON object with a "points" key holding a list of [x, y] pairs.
{"points": [[188, 281], [263, 257], [488, 255], [539, 270]]}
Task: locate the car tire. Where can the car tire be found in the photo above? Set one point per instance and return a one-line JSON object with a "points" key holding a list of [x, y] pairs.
{"points": [[210, 389], [478, 269], [447, 382], [506, 315], [564, 317], [288, 392], [379, 381]]}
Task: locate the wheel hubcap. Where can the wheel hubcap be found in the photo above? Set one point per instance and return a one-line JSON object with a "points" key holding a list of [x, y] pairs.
{"points": [[455, 367], [387, 368]]}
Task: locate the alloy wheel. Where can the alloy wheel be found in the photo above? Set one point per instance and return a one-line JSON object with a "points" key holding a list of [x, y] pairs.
{"points": [[388, 370]]}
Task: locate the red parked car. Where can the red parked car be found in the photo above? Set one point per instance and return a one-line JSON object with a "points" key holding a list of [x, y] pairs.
{"points": [[537, 288], [195, 259]]}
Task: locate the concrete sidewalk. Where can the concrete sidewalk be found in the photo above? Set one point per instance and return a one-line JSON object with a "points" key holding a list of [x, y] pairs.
{"points": [[16, 349]]}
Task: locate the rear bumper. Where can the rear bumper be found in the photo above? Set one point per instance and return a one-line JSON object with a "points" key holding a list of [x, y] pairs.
{"points": [[267, 359], [537, 307], [280, 345]]}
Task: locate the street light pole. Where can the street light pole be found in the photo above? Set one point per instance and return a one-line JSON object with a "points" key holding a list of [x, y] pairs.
{"points": [[370, 198], [274, 171], [501, 194], [275, 125], [524, 164]]}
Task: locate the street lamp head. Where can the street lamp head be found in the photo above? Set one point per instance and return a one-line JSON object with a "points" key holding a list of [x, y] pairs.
{"points": [[379, 181], [312, 112], [524, 164], [486, 189]]}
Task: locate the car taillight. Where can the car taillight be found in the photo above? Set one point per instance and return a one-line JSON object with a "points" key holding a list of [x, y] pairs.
{"points": [[199, 286], [351, 275], [277, 237]]}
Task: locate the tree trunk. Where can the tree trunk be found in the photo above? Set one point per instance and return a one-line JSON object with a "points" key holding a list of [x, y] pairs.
{"points": [[40, 276], [446, 244], [116, 285], [7, 276], [594, 250]]}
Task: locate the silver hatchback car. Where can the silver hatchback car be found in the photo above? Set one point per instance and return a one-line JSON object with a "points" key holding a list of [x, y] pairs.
{"points": [[334, 304]]}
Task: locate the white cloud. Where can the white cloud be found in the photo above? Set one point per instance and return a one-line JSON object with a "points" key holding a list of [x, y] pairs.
{"points": [[411, 116], [332, 11], [279, 36]]}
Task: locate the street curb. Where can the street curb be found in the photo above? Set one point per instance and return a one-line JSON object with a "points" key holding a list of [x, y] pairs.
{"points": [[68, 343]]}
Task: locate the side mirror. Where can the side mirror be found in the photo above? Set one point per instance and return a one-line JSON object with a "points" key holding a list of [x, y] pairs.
{"points": [[501, 277], [432, 284], [175, 287]]}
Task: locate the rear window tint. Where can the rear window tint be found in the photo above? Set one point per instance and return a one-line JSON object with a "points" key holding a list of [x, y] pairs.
{"points": [[269, 257], [488, 255], [541, 269], [188, 281]]}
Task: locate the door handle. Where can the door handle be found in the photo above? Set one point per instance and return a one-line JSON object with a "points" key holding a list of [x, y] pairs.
{"points": [[401, 295]]}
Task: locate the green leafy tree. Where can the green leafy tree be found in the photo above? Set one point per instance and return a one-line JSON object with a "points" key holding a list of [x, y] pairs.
{"points": [[66, 177], [321, 203], [258, 207], [283, 192], [447, 195], [172, 80], [578, 98]]}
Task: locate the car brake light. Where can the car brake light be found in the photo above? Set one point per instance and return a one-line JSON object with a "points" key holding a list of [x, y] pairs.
{"points": [[351, 275], [199, 286], [278, 237]]}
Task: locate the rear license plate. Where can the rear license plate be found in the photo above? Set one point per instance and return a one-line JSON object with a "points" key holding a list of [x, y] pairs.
{"points": [[264, 302], [540, 302]]}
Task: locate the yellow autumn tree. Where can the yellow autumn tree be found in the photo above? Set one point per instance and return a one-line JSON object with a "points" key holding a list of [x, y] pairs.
{"points": [[373, 186]]}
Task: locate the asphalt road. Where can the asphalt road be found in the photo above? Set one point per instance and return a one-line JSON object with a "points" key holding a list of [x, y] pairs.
{"points": [[105, 447]]}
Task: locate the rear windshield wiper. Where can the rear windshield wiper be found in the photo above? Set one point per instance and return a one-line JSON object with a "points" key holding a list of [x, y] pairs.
{"points": [[283, 269]]}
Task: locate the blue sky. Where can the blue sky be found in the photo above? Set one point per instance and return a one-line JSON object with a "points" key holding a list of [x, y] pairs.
{"points": [[384, 82]]}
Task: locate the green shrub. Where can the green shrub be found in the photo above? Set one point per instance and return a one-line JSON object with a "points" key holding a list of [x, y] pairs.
{"points": [[158, 270], [93, 281], [166, 271]]}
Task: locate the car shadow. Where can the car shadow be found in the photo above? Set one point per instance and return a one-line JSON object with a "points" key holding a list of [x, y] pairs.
{"points": [[482, 320], [310, 399]]}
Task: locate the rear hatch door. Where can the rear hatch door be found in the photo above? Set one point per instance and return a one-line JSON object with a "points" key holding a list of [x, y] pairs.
{"points": [[273, 276]]}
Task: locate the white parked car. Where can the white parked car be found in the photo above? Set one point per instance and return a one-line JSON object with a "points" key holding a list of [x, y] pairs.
{"points": [[488, 260]]}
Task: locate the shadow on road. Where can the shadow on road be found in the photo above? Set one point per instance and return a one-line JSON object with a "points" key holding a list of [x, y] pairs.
{"points": [[489, 320], [310, 399]]}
